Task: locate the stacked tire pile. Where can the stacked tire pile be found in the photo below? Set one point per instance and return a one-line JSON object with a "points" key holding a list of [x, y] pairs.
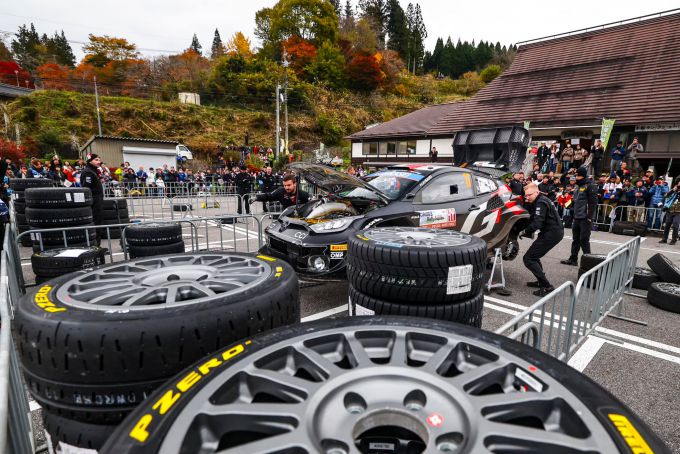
{"points": [[52, 208], [57, 262], [417, 272], [661, 279], [95, 343], [629, 228], [19, 186], [154, 238], [115, 211]]}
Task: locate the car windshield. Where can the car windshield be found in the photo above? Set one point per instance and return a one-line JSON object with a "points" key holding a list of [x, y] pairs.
{"points": [[394, 184]]}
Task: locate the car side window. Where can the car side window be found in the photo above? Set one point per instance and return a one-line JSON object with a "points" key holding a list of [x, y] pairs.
{"points": [[447, 188], [485, 185]]}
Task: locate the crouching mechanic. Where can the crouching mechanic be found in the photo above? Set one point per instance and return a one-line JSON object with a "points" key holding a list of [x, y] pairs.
{"points": [[544, 218], [287, 195]]}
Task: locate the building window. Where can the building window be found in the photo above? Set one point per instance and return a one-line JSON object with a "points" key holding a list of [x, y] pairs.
{"points": [[391, 148], [370, 149], [401, 148], [663, 142], [411, 146]]}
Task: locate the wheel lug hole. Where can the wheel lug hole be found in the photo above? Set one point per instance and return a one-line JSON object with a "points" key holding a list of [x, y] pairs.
{"points": [[415, 400], [354, 403], [173, 277], [450, 442], [334, 447]]}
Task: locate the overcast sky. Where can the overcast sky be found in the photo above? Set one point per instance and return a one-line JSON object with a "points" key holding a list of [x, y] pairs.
{"points": [[170, 24]]}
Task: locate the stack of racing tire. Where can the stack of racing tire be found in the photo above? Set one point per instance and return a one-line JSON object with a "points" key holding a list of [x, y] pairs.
{"points": [[53, 208], [18, 187], [57, 262], [154, 238], [417, 272], [95, 343], [115, 211]]}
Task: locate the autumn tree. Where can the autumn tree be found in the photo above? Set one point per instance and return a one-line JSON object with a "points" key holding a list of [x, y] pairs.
{"points": [[238, 44], [54, 76], [327, 66], [490, 73], [195, 45], [364, 72], [12, 74], [27, 48], [217, 48], [301, 53], [311, 20], [100, 50], [5, 54], [10, 149], [59, 50], [376, 13]]}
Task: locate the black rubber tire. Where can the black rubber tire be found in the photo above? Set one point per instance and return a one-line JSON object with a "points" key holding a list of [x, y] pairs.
{"points": [[43, 218], [664, 268], [665, 296], [98, 364], [412, 274], [113, 233], [122, 220], [644, 277], [75, 433], [590, 261], [113, 204], [629, 228], [58, 197], [183, 207], [467, 312], [152, 251], [21, 219], [19, 206], [592, 283], [114, 215], [153, 234], [21, 184], [156, 426], [74, 238], [47, 264]]}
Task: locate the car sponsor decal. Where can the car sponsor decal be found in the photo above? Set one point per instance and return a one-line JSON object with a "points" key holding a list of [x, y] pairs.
{"points": [[338, 247], [438, 219], [42, 300], [300, 235], [267, 258], [143, 426], [388, 244], [337, 255], [633, 439], [401, 174], [529, 380], [279, 271]]}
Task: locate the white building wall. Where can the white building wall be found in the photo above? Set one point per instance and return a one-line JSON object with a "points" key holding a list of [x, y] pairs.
{"points": [[357, 148], [444, 146]]}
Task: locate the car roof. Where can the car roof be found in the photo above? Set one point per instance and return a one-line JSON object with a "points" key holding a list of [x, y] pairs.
{"points": [[423, 169]]}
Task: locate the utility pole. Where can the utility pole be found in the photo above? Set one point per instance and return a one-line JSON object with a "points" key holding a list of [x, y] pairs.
{"points": [[96, 99], [285, 93], [16, 74], [278, 121]]}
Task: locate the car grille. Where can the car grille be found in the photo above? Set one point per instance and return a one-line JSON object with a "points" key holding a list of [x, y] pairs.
{"points": [[494, 203], [278, 245]]}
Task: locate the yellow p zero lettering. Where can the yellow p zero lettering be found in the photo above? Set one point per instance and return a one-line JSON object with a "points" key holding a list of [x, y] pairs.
{"points": [[166, 402], [233, 352], [637, 444], [42, 300], [139, 432], [267, 258], [205, 367], [187, 382]]}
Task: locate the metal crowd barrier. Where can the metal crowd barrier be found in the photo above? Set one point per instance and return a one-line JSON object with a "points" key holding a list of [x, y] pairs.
{"points": [[116, 189], [602, 215], [650, 216], [560, 322]]}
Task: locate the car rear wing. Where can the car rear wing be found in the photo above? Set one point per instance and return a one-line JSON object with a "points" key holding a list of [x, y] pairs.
{"points": [[499, 149]]}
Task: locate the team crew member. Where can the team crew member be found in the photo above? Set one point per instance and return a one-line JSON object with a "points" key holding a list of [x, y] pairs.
{"points": [[244, 185], [544, 217], [267, 182], [585, 203], [89, 178], [286, 195]]}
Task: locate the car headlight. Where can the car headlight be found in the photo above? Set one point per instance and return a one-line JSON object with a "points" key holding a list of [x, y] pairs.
{"points": [[339, 224]]}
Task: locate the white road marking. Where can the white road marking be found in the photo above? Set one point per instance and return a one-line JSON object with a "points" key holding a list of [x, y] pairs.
{"points": [[324, 314], [647, 351], [33, 406], [584, 355], [611, 243]]}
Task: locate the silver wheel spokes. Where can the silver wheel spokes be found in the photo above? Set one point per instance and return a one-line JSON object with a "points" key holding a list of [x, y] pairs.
{"points": [[341, 392], [163, 281], [417, 237]]}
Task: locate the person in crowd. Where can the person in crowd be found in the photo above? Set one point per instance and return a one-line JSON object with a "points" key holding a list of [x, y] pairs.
{"points": [[543, 155], [89, 178], [36, 169], [24, 173], [624, 200], [120, 172], [129, 178], [434, 154], [545, 186], [611, 190], [618, 154], [567, 157], [12, 166], [142, 176], [287, 195], [580, 156], [657, 195], [624, 171], [544, 218], [244, 186], [352, 171], [649, 179], [57, 175], [638, 200], [554, 157], [671, 206], [585, 203], [632, 156], [597, 152], [565, 201], [516, 185]]}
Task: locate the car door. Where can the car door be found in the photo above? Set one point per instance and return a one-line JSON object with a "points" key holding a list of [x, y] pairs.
{"points": [[446, 201]]}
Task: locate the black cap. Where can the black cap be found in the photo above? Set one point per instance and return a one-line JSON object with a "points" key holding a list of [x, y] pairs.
{"points": [[92, 156], [582, 171], [244, 168]]}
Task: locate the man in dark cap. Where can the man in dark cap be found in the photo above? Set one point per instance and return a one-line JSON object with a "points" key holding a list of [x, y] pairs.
{"points": [[244, 186], [585, 203], [89, 178]]}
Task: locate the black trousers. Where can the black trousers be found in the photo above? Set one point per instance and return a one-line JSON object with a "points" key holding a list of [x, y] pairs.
{"points": [[243, 200], [543, 244], [97, 217], [581, 229], [671, 220]]}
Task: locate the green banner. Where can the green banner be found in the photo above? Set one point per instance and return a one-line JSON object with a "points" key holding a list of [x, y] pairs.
{"points": [[526, 125], [606, 131]]}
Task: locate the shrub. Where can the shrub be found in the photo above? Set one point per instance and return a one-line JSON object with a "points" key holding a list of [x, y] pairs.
{"points": [[490, 73]]}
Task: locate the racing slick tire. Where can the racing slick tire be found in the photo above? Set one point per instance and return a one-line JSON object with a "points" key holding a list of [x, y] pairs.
{"points": [[416, 266], [161, 249], [46, 218], [643, 278], [115, 215], [21, 184], [114, 204], [19, 206], [183, 207], [52, 198], [67, 433], [92, 351], [153, 234], [665, 296], [629, 228], [74, 238], [338, 385], [57, 262], [664, 268], [467, 312], [590, 261]]}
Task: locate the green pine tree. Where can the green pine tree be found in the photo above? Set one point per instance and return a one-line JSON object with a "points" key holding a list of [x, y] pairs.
{"points": [[217, 49], [195, 45], [397, 29], [26, 48]]}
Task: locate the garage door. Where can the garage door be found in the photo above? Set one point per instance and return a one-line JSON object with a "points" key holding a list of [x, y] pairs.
{"points": [[149, 157]]}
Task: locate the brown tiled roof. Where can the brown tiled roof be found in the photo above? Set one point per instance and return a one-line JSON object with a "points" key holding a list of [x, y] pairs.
{"points": [[414, 124], [629, 72]]}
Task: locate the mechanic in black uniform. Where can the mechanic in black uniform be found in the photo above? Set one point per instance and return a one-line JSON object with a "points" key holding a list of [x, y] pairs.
{"points": [[89, 178], [244, 186], [267, 184], [285, 195], [585, 204], [544, 217]]}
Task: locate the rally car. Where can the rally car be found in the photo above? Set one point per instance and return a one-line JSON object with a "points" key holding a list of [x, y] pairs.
{"points": [[313, 237]]}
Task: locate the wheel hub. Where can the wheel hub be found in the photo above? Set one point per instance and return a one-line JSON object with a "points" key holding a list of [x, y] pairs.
{"points": [[175, 275], [418, 236]]}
